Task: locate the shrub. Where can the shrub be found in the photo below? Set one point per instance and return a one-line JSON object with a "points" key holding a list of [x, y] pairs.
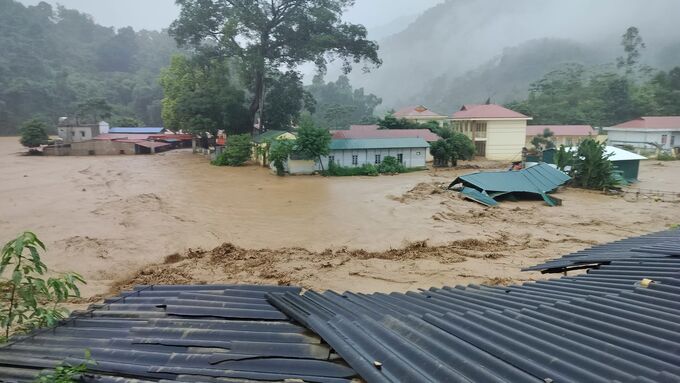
{"points": [[664, 156], [279, 152], [390, 165], [313, 142], [65, 373], [27, 300], [340, 171], [237, 151], [590, 166]]}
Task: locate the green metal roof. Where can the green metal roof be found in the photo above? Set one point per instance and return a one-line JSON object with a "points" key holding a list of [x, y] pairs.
{"points": [[378, 143], [268, 136], [539, 179]]}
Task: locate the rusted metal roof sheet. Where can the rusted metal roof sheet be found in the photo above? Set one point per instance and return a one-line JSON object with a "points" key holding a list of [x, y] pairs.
{"points": [[186, 333], [609, 325]]}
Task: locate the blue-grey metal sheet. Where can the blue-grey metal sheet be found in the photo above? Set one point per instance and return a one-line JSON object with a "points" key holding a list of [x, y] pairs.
{"points": [[539, 179], [164, 332], [602, 326]]}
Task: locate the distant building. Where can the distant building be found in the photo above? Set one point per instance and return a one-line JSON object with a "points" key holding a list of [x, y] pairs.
{"points": [[69, 130], [410, 152], [497, 132], [566, 135], [262, 143], [420, 114], [659, 132], [374, 131]]}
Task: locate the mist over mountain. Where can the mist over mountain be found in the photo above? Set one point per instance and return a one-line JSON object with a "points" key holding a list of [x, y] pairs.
{"points": [[466, 51]]}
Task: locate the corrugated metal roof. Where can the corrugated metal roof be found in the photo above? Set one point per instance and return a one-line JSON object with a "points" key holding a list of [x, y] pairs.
{"points": [[185, 333], [539, 179], [268, 135], [603, 326], [378, 143], [476, 111], [137, 130], [425, 134]]}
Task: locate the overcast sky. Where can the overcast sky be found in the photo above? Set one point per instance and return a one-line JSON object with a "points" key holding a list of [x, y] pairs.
{"points": [[158, 14]]}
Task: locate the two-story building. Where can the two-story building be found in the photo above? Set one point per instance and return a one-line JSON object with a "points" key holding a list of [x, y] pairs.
{"points": [[657, 132], [567, 135], [497, 132]]}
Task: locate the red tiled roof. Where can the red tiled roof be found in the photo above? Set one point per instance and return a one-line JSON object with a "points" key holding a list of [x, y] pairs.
{"points": [[364, 127], [561, 130], [655, 122], [486, 111], [416, 111], [425, 134]]}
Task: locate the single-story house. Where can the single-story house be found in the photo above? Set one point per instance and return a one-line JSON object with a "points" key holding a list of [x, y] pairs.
{"points": [[497, 132], [420, 114], [262, 142], [411, 152], [374, 131], [566, 135], [118, 143], [656, 132]]}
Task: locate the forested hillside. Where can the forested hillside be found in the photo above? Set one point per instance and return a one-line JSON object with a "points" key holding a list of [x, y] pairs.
{"points": [[54, 60]]}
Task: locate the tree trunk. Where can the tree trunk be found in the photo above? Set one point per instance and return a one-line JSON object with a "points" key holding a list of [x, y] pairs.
{"points": [[257, 94], [321, 163]]}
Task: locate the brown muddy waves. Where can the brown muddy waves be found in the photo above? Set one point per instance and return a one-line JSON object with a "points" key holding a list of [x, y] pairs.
{"points": [[107, 217]]}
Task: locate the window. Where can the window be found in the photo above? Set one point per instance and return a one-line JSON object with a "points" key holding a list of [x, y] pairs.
{"points": [[400, 158], [82, 133], [672, 140], [378, 159], [480, 129], [331, 159], [355, 159], [73, 134], [570, 141], [664, 138]]}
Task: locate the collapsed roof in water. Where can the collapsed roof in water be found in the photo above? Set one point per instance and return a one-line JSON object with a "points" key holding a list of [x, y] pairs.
{"points": [[539, 180]]}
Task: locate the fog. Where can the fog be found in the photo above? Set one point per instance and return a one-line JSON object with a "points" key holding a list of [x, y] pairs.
{"points": [[158, 14]]}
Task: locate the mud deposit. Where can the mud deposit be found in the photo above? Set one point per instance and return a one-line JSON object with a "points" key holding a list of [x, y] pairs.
{"points": [[117, 219]]}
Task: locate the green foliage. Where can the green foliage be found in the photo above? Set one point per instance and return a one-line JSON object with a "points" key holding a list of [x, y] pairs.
{"points": [[285, 100], [34, 133], [28, 300], [126, 122], [94, 109], [65, 373], [279, 152], [237, 152], [54, 58], [390, 165], [452, 147], [338, 105], [590, 167], [391, 122], [665, 156], [201, 96], [543, 140], [313, 142], [264, 35], [632, 43], [335, 170]]}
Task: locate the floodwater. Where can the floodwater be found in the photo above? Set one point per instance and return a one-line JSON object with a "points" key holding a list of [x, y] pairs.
{"points": [[105, 217]]}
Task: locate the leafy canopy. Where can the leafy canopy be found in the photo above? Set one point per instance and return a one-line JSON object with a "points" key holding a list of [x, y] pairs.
{"points": [[452, 147], [589, 165], [338, 105], [34, 133], [237, 152], [269, 34], [313, 142]]}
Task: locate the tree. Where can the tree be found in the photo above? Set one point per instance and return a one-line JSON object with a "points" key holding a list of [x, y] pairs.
{"points": [[391, 122], [27, 299], [34, 134], [126, 122], [543, 140], [441, 153], [96, 108], [452, 147], [313, 142], [286, 98], [338, 105], [589, 165], [632, 44], [279, 153], [237, 152], [201, 96], [267, 34]]}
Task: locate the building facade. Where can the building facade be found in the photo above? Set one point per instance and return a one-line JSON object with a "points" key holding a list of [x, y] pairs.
{"points": [[374, 131], [661, 132], [497, 132], [411, 152], [566, 135]]}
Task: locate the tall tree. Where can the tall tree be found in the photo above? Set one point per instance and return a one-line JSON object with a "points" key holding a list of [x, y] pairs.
{"points": [[338, 105], [267, 34], [632, 44]]}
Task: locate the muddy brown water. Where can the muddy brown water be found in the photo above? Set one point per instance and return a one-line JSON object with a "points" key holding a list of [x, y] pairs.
{"points": [[106, 217]]}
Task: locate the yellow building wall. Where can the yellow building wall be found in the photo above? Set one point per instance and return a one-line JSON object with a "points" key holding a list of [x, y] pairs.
{"points": [[505, 140]]}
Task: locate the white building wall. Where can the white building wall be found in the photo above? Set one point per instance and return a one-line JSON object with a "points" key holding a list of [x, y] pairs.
{"points": [[638, 139], [505, 139], [413, 157]]}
